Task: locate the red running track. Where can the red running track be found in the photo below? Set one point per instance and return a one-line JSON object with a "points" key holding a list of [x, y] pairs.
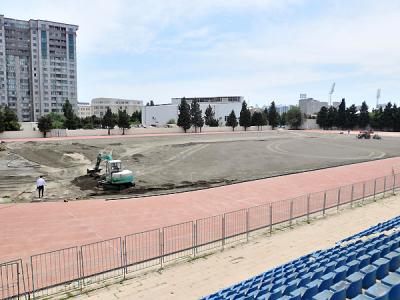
{"points": [[34, 228]]}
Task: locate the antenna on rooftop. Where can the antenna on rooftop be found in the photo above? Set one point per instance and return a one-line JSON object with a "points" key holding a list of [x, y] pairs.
{"points": [[331, 92], [378, 96]]}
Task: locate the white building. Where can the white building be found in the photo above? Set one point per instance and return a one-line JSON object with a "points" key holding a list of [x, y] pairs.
{"points": [[159, 115], [84, 110], [38, 67], [310, 106], [99, 106]]}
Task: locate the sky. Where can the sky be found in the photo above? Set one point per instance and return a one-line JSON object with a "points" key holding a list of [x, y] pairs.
{"points": [[263, 50]]}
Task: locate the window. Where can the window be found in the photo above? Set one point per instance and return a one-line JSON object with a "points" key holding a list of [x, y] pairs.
{"points": [[44, 43], [71, 46]]}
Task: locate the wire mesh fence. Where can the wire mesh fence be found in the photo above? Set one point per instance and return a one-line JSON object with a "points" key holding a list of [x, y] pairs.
{"points": [[76, 267], [11, 280], [55, 270]]}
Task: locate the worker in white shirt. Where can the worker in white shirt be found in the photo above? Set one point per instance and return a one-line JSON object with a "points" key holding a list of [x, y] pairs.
{"points": [[40, 183]]}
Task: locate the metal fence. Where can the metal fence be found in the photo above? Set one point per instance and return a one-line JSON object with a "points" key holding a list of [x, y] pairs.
{"points": [[75, 267]]}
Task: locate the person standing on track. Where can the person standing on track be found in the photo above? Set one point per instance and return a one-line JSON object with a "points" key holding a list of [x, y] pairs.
{"points": [[40, 183]]}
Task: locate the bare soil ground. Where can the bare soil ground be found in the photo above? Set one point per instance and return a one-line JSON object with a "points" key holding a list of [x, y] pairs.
{"points": [[208, 274], [177, 163]]}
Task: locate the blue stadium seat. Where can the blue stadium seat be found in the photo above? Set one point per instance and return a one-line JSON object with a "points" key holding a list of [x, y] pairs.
{"points": [[362, 269], [378, 291], [382, 265], [370, 276], [394, 260], [355, 284]]}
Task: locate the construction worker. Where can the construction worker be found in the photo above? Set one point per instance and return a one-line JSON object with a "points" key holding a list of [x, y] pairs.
{"points": [[40, 183]]}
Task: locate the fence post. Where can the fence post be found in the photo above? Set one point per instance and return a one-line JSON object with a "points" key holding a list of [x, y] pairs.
{"points": [[161, 243], [291, 213], [123, 257], [338, 199], [394, 183], [82, 266], [374, 188], [352, 195], [223, 231], [384, 187], [78, 265], [324, 207], [247, 224], [18, 278], [308, 208], [363, 195], [270, 218], [33, 280], [194, 241]]}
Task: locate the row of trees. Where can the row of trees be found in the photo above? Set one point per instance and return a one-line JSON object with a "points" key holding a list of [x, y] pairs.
{"points": [[8, 120], [191, 115], [350, 117], [269, 116], [70, 120]]}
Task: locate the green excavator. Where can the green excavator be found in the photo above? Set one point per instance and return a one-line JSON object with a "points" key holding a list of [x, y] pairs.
{"points": [[115, 177]]}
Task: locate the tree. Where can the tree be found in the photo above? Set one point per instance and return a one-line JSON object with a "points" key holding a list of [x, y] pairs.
{"points": [[71, 121], [387, 117], [87, 123], [196, 118], [2, 121], [45, 124], [396, 117], [257, 119], [245, 116], [151, 103], [294, 117], [283, 119], [322, 118], [376, 118], [57, 120], [341, 115], [273, 115], [363, 118], [184, 115], [351, 117], [171, 121], [136, 117], [332, 117], [231, 121], [10, 120], [210, 117], [123, 120], [108, 120], [96, 121]]}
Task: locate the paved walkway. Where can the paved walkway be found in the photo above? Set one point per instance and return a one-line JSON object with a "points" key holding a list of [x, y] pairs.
{"points": [[33, 228], [192, 280]]}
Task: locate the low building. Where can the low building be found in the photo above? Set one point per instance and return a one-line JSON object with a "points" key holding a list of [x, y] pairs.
{"points": [[311, 106], [84, 110], [159, 115], [100, 105]]}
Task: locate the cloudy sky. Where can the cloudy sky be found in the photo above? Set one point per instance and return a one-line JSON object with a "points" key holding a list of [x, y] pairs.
{"points": [[262, 49]]}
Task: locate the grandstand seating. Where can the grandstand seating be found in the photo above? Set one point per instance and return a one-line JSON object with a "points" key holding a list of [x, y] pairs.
{"points": [[363, 266]]}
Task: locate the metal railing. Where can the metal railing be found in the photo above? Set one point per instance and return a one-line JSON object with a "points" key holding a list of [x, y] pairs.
{"points": [[75, 267]]}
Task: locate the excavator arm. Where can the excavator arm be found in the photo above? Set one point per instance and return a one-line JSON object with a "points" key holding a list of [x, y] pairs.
{"points": [[100, 157]]}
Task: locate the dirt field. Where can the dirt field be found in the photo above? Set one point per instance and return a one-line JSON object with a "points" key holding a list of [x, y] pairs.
{"points": [[206, 275], [177, 163]]}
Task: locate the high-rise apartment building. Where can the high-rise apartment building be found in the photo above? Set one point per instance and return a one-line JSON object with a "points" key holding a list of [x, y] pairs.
{"points": [[37, 66]]}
